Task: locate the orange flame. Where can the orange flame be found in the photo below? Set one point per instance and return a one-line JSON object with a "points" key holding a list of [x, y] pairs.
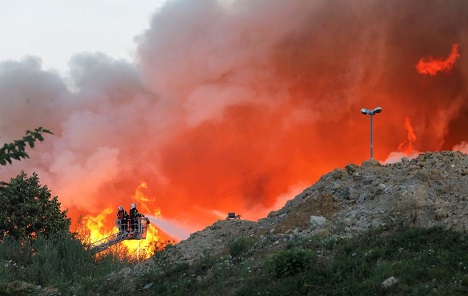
{"points": [[407, 147], [433, 65], [97, 226], [103, 225], [144, 248]]}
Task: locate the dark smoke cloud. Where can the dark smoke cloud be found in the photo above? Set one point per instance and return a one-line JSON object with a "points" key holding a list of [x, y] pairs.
{"points": [[237, 105]]}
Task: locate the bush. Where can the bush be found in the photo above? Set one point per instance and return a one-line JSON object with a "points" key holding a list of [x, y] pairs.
{"points": [[29, 210], [292, 262], [58, 261], [237, 246]]}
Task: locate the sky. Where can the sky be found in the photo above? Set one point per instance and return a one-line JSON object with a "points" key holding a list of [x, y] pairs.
{"points": [[193, 109], [55, 30]]}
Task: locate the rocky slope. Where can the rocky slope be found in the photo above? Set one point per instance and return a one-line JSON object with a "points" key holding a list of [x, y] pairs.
{"points": [[429, 190]]}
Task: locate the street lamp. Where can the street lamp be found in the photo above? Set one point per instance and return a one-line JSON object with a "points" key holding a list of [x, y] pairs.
{"points": [[370, 113]]}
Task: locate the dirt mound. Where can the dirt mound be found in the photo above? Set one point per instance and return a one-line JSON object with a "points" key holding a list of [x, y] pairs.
{"points": [[429, 190]]}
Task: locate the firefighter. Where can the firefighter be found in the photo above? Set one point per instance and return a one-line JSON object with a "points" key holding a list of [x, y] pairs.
{"points": [[134, 215], [122, 217]]}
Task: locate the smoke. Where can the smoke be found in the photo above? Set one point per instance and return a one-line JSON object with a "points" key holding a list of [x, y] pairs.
{"points": [[462, 147], [231, 105]]}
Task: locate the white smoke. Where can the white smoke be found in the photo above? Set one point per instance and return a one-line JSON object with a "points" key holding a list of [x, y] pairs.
{"points": [[462, 147], [300, 67]]}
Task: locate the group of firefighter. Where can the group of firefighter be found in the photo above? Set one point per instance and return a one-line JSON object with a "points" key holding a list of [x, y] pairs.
{"points": [[126, 222]]}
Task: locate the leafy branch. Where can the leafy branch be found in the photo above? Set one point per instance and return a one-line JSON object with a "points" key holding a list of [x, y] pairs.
{"points": [[17, 149]]}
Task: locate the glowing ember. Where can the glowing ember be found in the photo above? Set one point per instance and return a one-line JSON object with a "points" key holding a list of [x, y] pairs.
{"points": [[433, 65]]}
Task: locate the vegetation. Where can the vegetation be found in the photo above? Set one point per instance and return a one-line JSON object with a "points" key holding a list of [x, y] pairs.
{"points": [[29, 210], [292, 262], [39, 256], [425, 261], [17, 149], [57, 264]]}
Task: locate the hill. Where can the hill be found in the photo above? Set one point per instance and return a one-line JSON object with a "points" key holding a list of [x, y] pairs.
{"points": [[428, 192], [369, 229]]}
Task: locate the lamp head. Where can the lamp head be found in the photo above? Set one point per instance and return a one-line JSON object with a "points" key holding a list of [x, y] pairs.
{"points": [[377, 110], [371, 112]]}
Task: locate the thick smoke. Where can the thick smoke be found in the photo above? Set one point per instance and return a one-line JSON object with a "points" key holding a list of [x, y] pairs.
{"points": [[233, 105]]}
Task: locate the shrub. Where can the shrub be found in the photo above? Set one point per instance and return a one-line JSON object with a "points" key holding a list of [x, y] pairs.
{"points": [[237, 246], [292, 262], [29, 210]]}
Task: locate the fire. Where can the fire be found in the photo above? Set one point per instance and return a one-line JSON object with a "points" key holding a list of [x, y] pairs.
{"points": [[433, 65], [143, 200], [407, 147], [256, 111], [144, 248], [98, 227]]}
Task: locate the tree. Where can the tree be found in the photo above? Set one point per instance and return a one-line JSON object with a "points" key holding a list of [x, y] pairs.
{"points": [[17, 149], [28, 210]]}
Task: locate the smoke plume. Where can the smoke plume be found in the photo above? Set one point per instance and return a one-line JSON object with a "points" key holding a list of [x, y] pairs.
{"points": [[231, 105]]}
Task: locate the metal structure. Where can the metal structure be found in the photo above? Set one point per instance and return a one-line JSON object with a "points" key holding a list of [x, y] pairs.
{"points": [[233, 216], [371, 113], [126, 232]]}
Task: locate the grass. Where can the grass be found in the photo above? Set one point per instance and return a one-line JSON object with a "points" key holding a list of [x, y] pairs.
{"points": [[425, 262], [60, 262]]}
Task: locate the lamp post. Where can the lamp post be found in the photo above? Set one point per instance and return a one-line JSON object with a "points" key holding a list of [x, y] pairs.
{"points": [[371, 113]]}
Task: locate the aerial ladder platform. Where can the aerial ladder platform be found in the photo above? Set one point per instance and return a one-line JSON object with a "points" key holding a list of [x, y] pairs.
{"points": [[126, 232]]}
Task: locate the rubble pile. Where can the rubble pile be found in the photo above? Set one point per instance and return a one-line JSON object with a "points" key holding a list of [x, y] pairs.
{"points": [[426, 191]]}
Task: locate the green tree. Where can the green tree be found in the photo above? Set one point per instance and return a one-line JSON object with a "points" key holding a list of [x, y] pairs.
{"points": [[17, 149], [29, 210]]}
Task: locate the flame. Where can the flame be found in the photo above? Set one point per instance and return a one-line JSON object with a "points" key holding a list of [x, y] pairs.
{"points": [[144, 248], [261, 104], [432, 65], [143, 200], [97, 227], [407, 147]]}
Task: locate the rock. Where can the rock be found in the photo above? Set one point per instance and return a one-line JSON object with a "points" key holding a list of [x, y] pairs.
{"points": [[317, 222], [381, 186], [391, 281], [147, 286], [370, 163], [441, 214], [343, 193], [351, 168], [322, 232], [20, 288], [429, 190]]}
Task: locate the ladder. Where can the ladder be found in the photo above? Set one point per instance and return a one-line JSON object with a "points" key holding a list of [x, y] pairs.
{"points": [[138, 232]]}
